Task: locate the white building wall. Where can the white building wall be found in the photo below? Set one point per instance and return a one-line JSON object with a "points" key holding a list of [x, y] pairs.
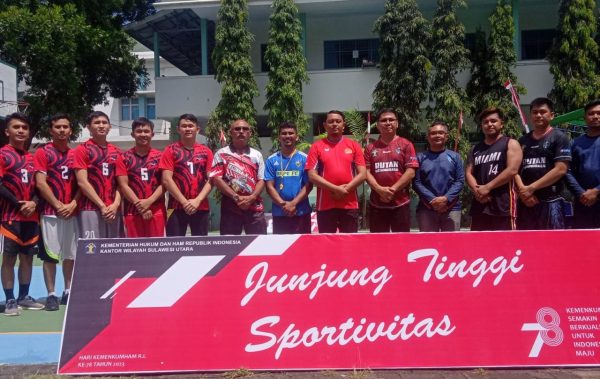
{"points": [[321, 29], [260, 30], [186, 94], [8, 89], [345, 88], [535, 76], [318, 29], [111, 109], [121, 129], [327, 89]]}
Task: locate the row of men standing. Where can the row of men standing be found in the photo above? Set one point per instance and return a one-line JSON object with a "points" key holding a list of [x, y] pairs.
{"points": [[498, 171], [522, 182]]}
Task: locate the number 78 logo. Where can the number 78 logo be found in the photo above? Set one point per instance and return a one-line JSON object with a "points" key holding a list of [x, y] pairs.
{"points": [[547, 324]]}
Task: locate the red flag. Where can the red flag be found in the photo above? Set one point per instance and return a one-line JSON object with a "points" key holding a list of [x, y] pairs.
{"points": [[222, 138], [458, 131], [515, 100]]}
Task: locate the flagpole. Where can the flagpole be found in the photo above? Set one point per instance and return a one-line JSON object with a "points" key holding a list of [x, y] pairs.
{"points": [[222, 138], [368, 127], [364, 203], [515, 100]]}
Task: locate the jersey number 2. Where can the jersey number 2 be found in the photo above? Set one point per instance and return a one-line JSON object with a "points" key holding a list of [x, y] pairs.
{"points": [[64, 172]]}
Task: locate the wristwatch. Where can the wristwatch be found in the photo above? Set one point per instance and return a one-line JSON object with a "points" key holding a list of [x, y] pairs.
{"points": [[236, 197]]}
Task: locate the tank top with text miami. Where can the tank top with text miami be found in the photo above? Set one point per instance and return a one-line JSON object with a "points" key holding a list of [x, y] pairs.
{"points": [[488, 162]]}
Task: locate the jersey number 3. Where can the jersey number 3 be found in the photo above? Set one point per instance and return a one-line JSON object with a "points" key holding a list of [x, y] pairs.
{"points": [[24, 176]]}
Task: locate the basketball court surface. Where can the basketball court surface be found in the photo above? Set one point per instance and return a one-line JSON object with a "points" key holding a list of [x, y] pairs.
{"points": [[34, 336]]}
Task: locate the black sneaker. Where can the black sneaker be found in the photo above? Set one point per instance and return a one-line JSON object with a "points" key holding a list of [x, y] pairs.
{"points": [[11, 308], [64, 299], [52, 303], [29, 302]]}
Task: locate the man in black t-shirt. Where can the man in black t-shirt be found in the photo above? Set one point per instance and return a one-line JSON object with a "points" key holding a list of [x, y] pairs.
{"points": [[491, 167], [546, 157]]}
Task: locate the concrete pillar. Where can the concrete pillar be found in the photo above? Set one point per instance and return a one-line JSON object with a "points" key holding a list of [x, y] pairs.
{"points": [[204, 43], [156, 55], [142, 105]]}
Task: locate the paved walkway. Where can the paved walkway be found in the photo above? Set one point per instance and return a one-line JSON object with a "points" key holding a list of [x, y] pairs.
{"points": [[46, 371]]}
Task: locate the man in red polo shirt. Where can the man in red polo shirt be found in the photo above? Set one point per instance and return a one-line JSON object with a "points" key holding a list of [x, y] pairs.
{"points": [[336, 166], [391, 163]]}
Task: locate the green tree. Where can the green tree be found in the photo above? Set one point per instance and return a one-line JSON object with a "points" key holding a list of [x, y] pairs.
{"points": [[574, 56], [233, 66], [97, 12], [67, 64], [597, 39], [478, 85], [403, 35], [448, 57], [214, 128], [357, 125], [285, 59], [501, 58]]}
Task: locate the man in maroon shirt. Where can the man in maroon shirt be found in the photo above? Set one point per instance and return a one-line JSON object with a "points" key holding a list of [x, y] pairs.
{"points": [[391, 162]]}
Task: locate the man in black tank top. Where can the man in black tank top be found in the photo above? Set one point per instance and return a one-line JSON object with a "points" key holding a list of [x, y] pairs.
{"points": [[546, 157], [491, 167]]}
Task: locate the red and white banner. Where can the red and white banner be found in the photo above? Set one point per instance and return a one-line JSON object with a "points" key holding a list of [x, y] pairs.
{"points": [[334, 302], [517, 104]]}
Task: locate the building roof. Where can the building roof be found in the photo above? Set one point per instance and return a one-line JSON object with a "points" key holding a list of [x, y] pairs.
{"points": [[179, 37]]}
